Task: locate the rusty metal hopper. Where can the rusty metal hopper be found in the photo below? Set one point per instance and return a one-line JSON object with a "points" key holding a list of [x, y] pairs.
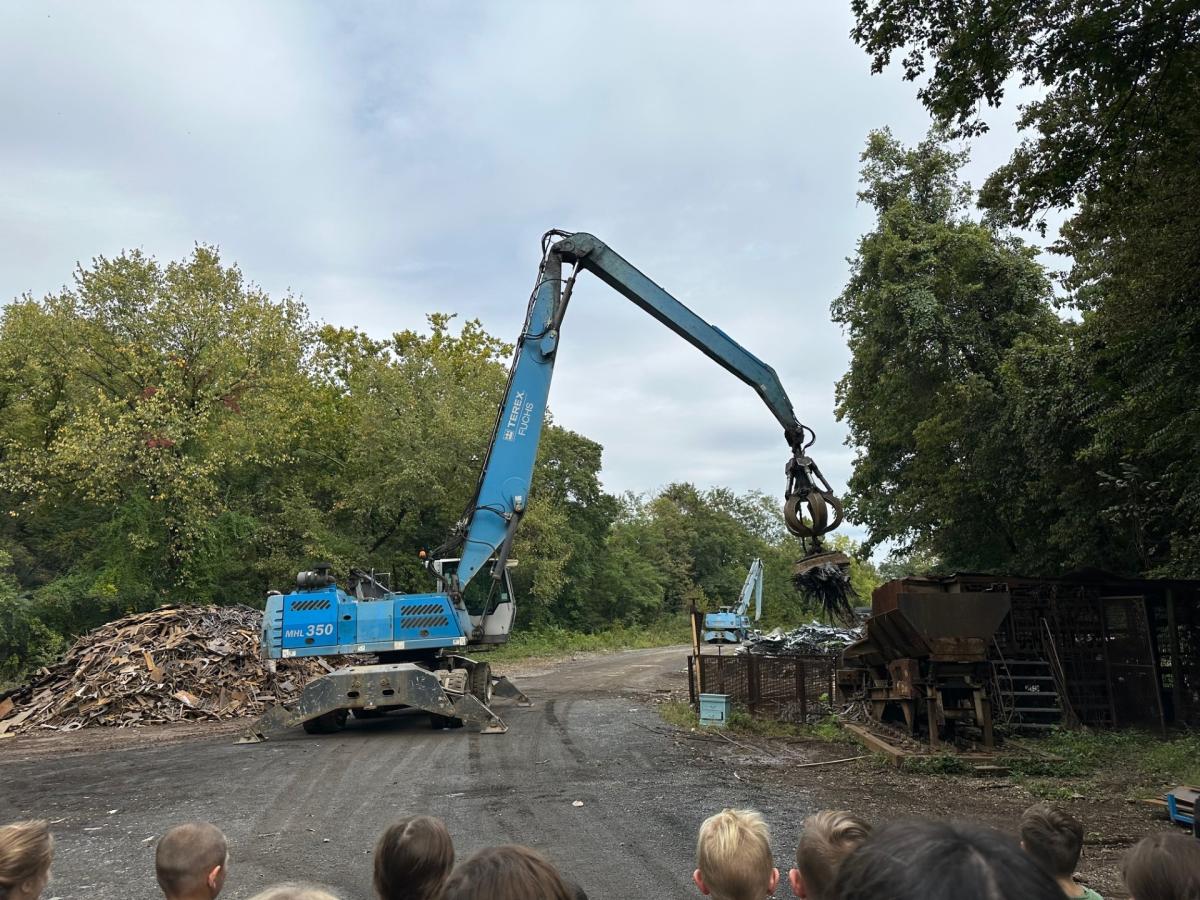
{"points": [[954, 627]]}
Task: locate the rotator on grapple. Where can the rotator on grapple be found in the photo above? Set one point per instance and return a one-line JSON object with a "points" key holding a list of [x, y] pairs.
{"points": [[809, 504], [419, 641]]}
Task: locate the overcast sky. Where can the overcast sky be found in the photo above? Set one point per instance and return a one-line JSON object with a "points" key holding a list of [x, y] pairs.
{"points": [[387, 160]]}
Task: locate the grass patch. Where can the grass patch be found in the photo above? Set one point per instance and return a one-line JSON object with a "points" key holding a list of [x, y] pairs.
{"points": [[1130, 755], [554, 641], [829, 730], [680, 714], [1134, 756], [936, 764], [1140, 760]]}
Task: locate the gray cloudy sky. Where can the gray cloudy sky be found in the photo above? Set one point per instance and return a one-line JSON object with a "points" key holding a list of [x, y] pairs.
{"points": [[387, 160]]}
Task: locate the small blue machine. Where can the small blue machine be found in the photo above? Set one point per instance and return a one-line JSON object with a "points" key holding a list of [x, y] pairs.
{"points": [[731, 624], [419, 641]]}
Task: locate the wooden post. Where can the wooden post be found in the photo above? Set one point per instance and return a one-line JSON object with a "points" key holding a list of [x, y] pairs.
{"points": [[931, 703], [1102, 609], [1178, 701], [695, 617], [752, 682], [802, 688], [1155, 671], [692, 680]]}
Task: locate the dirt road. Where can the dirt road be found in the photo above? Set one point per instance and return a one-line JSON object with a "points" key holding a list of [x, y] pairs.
{"points": [[312, 807]]}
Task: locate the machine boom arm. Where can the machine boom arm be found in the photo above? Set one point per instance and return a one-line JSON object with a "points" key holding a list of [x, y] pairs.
{"points": [[600, 259], [752, 589], [502, 494]]}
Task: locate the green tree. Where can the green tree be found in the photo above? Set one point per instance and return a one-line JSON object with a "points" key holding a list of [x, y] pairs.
{"points": [[1119, 83], [133, 406], [934, 303], [1112, 137]]}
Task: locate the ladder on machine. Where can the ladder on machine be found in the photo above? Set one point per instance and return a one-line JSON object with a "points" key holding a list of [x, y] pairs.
{"points": [[1029, 694]]}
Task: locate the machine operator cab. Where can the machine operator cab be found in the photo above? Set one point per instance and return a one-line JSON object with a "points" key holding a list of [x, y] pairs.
{"points": [[489, 600]]}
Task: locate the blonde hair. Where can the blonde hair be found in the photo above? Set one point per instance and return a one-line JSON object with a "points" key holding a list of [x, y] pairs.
{"points": [[26, 849], [733, 854], [293, 891], [828, 838]]}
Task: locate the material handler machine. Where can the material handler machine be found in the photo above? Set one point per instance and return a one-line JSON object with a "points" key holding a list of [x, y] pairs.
{"points": [[731, 624], [420, 641]]}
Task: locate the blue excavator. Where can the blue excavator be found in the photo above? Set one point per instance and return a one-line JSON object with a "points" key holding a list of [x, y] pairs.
{"points": [[420, 641], [731, 624]]}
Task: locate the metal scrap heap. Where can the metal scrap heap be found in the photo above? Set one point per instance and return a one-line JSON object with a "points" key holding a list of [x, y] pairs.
{"points": [[811, 639], [172, 664]]}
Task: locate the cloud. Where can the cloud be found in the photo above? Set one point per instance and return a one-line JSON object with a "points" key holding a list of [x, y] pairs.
{"points": [[388, 160]]}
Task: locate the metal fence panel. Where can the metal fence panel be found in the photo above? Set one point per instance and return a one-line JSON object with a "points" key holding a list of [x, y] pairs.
{"points": [[798, 689]]}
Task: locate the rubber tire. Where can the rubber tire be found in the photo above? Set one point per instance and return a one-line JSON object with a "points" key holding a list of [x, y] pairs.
{"points": [[479, 683], [329, 723], [437, 722]]}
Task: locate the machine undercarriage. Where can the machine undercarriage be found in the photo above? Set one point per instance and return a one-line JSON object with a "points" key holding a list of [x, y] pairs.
{"points": [[454, 690]]}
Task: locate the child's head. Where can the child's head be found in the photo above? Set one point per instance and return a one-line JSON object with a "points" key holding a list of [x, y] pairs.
{"points": [[1163, 866], [510, 872], [293, 891], [827, 839], [1053, 838], [412, 859], [26, 849], [191, 861], [941, 861], [733, 856]]}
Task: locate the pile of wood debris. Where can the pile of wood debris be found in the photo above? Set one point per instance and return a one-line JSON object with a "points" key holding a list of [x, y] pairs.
{"points": [[172, 664]]}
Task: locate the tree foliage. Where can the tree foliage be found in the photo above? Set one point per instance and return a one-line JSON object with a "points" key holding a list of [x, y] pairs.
{"points": [[1117, 83], [934, 304], [1104, 410]]}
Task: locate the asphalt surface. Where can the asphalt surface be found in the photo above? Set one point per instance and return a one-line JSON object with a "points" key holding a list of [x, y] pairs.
{"points": [[311, 808]]}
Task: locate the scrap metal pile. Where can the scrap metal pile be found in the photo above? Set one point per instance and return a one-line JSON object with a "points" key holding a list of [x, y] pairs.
{"points": [[810, 639], [172, 664]]}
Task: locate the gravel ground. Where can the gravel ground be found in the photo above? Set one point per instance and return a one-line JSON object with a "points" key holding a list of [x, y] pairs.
{"points": [[311, 808]]}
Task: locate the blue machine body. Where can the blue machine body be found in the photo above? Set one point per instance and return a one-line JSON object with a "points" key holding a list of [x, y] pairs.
{"points": [[327, 621], [732, 624], [726, 627]]}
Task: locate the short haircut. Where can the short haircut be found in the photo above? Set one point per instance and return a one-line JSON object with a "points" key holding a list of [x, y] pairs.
{"points": [[186, 854], [293, 890], [413, 859], [942, 861], [1053, 838], [508, 872], [1163, 866], [733, 854], [26, 850], [828, 838]]}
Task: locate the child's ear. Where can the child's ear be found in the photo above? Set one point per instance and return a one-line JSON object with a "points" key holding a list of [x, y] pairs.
{"points": [[700, 882], [796, 880], [774, 882]]}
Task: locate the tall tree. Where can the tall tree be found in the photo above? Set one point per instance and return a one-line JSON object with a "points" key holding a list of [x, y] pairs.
{"points": [[132, 403], [934, 303], [1112, 136]]}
